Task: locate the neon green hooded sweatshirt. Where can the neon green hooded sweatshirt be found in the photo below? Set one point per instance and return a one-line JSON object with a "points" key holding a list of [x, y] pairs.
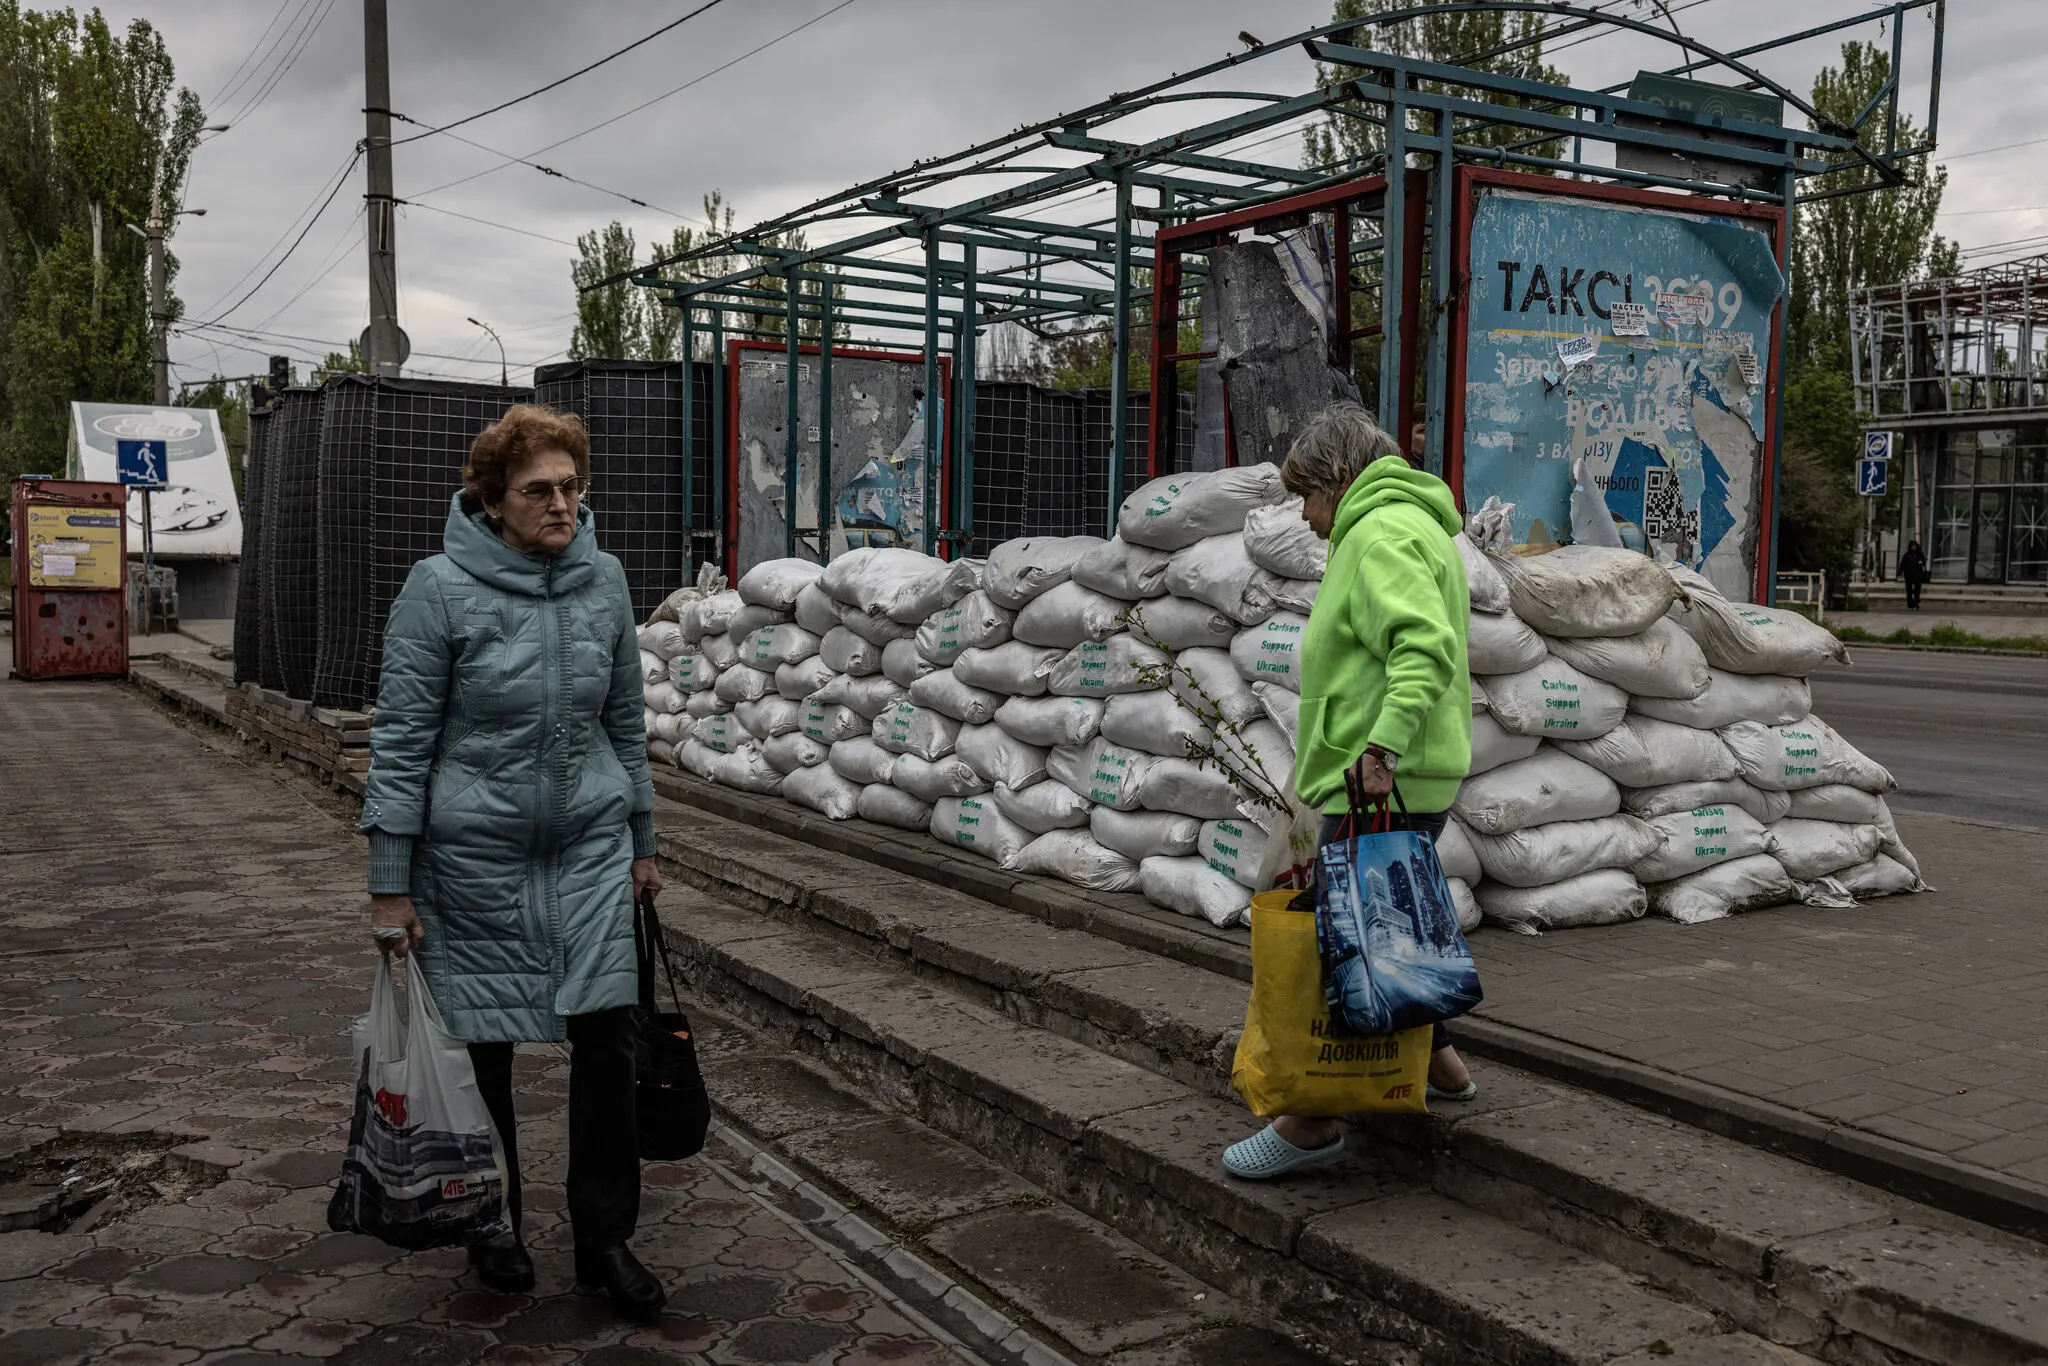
{"points": [[1383, 660]]}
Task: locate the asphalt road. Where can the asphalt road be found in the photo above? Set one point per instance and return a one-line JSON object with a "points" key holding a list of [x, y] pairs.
{"points": [[1965, 735]]}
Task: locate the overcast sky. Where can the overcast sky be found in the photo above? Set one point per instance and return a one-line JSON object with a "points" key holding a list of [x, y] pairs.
{"points": [[852, 89]]}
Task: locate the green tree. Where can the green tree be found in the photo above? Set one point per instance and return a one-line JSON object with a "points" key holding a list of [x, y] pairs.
{"points": [[611, 319], [338, 364], [229, 399]]}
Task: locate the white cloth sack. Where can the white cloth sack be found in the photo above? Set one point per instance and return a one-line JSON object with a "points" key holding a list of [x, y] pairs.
{"points": [[1744, 638], [743, 683], [721, 649], [948, 696], [951, 776], [1066, 614], [663, 639], [751, 618], [661, 751], [772, 646], [815, 610], [799, 680], [1208, 682], [1813, 849], [692, 672], [710, 616], [907, 728], [1181, 623], [829, 723], [1643, 752], [1464, 903], [974, 824], [1837, 802], [674, 727], [1769, 699], [1073, 856], [886, 804], [653, 668], [1882, 876], [1000, 757], [1044, 806], [1698, 839], [1013, 668], [662, 696], [866, 578], [770, 716], [788, 753], [823, 791], [1051, 720], [1558, 850], [902, 664], [973, 623], [1181, 785], [1124, 571], [1234, 847], [1609, 896], [1455, 852], [1806, 753], [860, 760], [870, 696], [1502, 644], [1259, 748], [703, 704], [847, 653], [1493, 746], [1652, 802], [1662, 661], [912, 600], [1484, 586], [877, 629], [1180, 509], [775, 584], [746, 769], [1555, 701], [1107, 668], [1271, 651], [1742, 884], [1219, 572], [722, 734], [1106, 774], [1191, 887], [694, 756], [1020, 570], [1586, 590], [1891, 846], [1281, 543], [1145, 834], [1283, 706], [1151, 722], [1294, 595], [1547, 786]]}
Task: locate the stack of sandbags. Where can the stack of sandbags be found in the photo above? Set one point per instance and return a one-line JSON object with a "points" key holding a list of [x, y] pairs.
{"points": [[750, 669]]}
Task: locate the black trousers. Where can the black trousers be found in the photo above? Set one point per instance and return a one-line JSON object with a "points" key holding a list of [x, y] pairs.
{"points": [[1913, 593], [604, 1135], [1430, 823]]}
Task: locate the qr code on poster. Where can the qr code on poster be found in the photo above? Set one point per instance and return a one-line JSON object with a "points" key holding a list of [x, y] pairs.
{"points": [[1665, 517]]}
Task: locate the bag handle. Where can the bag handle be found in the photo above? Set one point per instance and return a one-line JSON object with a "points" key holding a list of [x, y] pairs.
{"points": [[1372, 816], [649, 940]]}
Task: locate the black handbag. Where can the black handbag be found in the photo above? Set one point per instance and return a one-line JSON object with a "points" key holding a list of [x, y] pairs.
{"points": [[674, 1111]]}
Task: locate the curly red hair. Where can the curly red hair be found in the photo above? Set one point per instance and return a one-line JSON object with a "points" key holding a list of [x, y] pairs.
{"points": [[523, 432]]}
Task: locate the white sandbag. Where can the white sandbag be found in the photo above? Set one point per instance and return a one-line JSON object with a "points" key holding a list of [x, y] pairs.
{"points": [[1744, 638], [775, 584], [902, 663], [907, 728], [1652, 802], [1890, 845], [1281, 542], [1145, 834], [673, 727], [1549, 785], [1479, 703], [751, 618], [847, 653], [661, 751], [1837, 802], [1073, 856], [1586, 590], [1609, 896], [973, 823], [1013, 668], [1882, 876], [721, 649], [866, 577], [748, 770], [1191, 887], [1662, 661], [1051, 720], [663, 696], [1045, 806], [1294, 595], [1699, 839], [1067, 614], [1180, 623], [1130, 573], [870, 696], [1814, 849], [770, 716], [799, 680], [743, 683], [1558, 850], [973, 623], [1502, 644], [1283, 705], [815, 610], [695, 757], [795, 750], [1455, 852], [1807, 753], [946, 694], [1234, 847], [663, 639], [1644, 752], [703, 704], [912, 600], [711, 616], [1743, 884], [1219, 572], [772, 646], [653, 668], [1259, 748], [1485, 587], [1151, 722], [672, 606], [1768, 699], [1201, 790], [875, 629], [931, 781], [1108, 668], [1464, 903], [1020, 570], [885, 804], [1001, 757], [823, 791], [1493, 746], [859, 759], [1555, 701], [1271, 651], [828, 723], [1207, 682], [691, 671], [722, 734], [1106, 774], [1180, 509]]}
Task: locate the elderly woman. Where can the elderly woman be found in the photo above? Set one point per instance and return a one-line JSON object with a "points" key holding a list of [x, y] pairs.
{"points": [[1384, 683], [510, 817]]}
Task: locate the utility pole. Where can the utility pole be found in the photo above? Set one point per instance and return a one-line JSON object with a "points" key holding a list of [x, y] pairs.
{"points": [[159, 315], [383, 344]]}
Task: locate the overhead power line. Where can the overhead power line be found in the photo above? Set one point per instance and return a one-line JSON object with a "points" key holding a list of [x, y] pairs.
{"points": [[234, 76], [339, 182], [305, 37]]}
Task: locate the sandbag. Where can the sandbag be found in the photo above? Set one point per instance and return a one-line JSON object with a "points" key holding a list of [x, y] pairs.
{"points": [[1180, 509], [672, 606], [1051, 720], [1555, 701], [743, 683], [1661, 661], [1744, 638], [1806, 753], [1558, 850], [663, 697], [1652, 802], [815, 610], [866, 577], [1066, 614], [1283, 705], [928, 781], [771, 646], [663, 639], [1107, 668], [1609, 896], [1271, 651], [973, 623], [770, 716], [1106, 774], [1586, 590], [703, 704], [907, 728], [1181, 623], [1643, 752], [1479, 703], [1129, 573], [1219, 572], [887, 804], [1882, 876], [1020, 570], [1260, 747], [870, 696], [1191, 887], [859, 759], [695, 757], [721, 649], [902, 664], [1001, 757], [823, 791], [828, 723], [847, 653], [1484, 586], [1455, 852], [795, 750], [913, 599], [1837, 802], [948, 696], [1044, 806], [673, 727], [1502, 644], [747, 770], [1813, 849], [1073, 856], [1294, 595], [1549, 785], [974, 824], [1234, 847], [1743, 884], [653, 668], [721, 734], [1151, 722], [751, 618], [1889, 844], [1699, 839], [1464, 903], [710, 616], [660, 751], [1207, 681], [1493, 746], [1013, 668], [878, 630], [1281, 542], [775, 584], [799, 680], [1192, 789], [1145, 834], [1768, 699]]}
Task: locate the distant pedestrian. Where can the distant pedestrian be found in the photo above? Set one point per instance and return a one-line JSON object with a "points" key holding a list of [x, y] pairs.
{"points": [[1913, 571], [1385, 684], [510, 817]]}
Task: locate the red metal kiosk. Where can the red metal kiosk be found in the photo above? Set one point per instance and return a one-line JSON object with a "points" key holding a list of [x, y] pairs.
{"points": [[70, 579]]}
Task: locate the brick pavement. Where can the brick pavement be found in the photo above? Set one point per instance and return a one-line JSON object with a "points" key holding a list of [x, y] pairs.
{"points": [[182, 954]]}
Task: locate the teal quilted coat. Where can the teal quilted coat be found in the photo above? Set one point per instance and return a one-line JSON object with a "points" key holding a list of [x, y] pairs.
{"points": [[508, 790]]}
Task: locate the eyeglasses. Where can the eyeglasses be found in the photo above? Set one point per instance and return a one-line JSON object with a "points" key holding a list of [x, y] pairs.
{"points": [[540, 494]]}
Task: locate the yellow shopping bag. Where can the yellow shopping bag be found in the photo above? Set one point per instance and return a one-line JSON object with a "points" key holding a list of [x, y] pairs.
{"points": [[1290, 1061]]}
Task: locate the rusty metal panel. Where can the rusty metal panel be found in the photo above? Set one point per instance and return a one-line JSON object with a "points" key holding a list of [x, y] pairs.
{"points": [[60, 631]]}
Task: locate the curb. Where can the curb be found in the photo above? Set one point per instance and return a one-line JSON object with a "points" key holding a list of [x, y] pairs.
{"points": [[1944, 649]]}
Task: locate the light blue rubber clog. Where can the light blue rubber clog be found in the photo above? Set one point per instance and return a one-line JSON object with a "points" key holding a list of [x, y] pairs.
{"points": [[1266, 1155]]}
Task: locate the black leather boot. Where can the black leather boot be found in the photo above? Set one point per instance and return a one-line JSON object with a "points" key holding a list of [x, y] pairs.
{"points": [[616, 1272], [502, 1264]]}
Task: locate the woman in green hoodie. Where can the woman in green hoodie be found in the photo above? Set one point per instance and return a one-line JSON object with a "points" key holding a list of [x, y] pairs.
{"points": [[1385, 685]]}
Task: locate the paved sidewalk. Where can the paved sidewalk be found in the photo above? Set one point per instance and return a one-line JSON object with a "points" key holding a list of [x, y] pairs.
{"points": [[182, 955]]}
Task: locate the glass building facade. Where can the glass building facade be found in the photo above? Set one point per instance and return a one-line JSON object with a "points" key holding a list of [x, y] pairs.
{"points": [[1983, 505]]}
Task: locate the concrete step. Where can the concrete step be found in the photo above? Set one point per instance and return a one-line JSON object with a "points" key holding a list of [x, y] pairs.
{"points": [[184, 691], [1087, 1063]]}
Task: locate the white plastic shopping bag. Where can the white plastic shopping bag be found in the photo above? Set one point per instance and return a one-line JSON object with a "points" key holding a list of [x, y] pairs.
{"points": [[424, 1165]]}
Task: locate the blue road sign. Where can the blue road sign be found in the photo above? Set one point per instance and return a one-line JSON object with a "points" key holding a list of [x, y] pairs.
{"points": [[1877, 445], [145, 464], [1870, 475]]}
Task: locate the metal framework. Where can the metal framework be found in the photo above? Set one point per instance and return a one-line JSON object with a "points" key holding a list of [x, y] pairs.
{"points": [[1088, 218]]}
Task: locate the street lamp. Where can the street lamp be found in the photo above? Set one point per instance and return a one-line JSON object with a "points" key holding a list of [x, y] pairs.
{"points": [[503, 379]]}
